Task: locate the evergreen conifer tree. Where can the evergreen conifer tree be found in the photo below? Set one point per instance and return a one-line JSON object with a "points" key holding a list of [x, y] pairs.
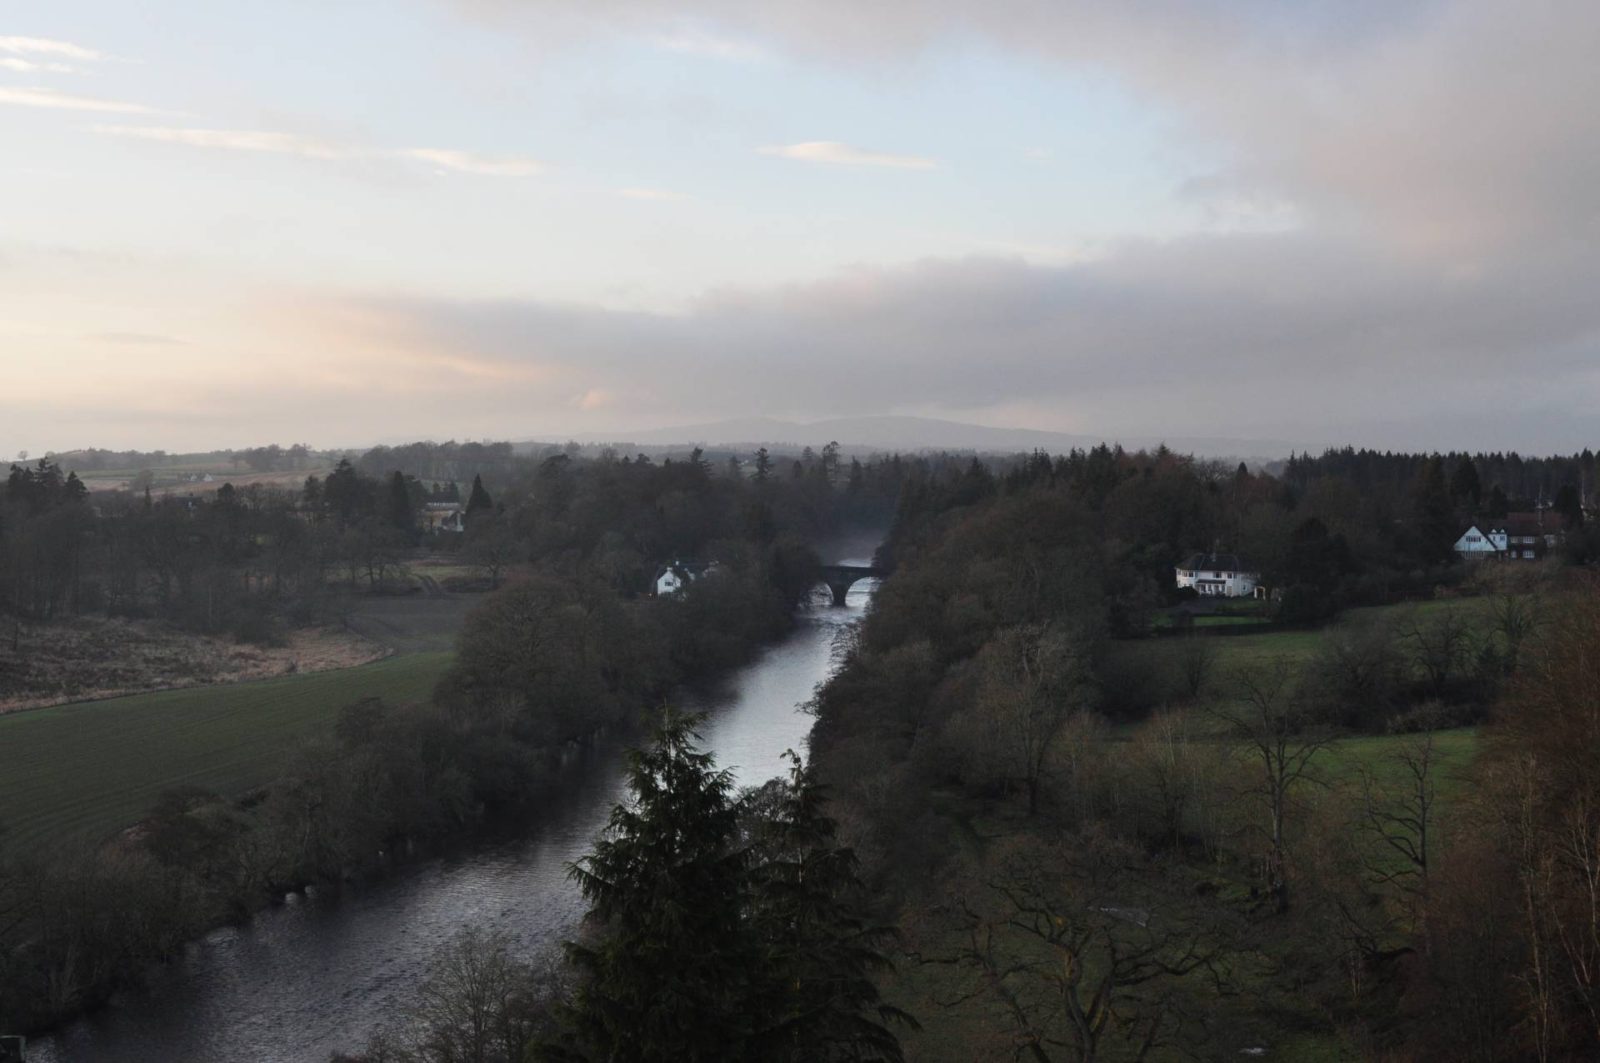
{"points": [[726, 929], [479, 498], [668, 978], [817, 998]]}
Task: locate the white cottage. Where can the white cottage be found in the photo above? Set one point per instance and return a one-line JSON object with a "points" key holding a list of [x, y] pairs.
{"points": [[672, 579], [1475, 543], [1514, 537], [444, 517], [1218, 576]]}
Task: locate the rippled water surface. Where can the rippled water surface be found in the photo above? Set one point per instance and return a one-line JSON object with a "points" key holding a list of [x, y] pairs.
{"points": [[318, 975]]}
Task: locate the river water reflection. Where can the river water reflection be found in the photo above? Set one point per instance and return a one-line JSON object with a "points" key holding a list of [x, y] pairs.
{"points": [[316, 976]]}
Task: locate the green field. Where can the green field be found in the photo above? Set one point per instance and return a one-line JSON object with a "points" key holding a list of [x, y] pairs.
{"points": [[81, 772], [1160, 656]]}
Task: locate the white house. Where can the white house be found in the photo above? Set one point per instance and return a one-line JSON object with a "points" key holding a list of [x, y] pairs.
{"points": [[1515, 537], [1476, 544], [444, 517], [672, 579], [1218, 576]]}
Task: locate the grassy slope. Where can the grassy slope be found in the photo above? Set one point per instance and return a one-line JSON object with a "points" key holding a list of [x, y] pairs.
{"points": [[971, 1030], [1376, 755], [83, 771], [976, 1028]]}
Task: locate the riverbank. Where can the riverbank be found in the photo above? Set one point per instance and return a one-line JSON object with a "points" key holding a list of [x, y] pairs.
{"points": [[543, 663], [303, 980]]}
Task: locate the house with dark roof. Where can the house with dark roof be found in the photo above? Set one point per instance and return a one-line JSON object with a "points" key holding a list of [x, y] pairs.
{"points": [[673, 578], [1219, 576], [1515, 537]]}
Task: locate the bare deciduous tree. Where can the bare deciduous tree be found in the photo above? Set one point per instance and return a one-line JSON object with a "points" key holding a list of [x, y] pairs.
{"points": [[1516, 619], [1035, 678], [1281, 733], [480, 1005], [1197, 664], [1068, 941], [1440, 647], [490, 548], [1400, 817], [1172, 771]]}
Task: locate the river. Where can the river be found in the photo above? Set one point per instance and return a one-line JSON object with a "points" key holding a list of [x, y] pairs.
{"points": [[317, 975]]}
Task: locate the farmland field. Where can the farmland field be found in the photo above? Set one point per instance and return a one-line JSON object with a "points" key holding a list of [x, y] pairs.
{"points": [[82, 772]]}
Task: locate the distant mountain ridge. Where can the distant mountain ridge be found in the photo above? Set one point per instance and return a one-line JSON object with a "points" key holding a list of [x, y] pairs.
{"points": [[923, 433]]}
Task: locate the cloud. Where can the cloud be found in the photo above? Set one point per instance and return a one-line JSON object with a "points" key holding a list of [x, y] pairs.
{"points": [[28, 66], [1444, 128], [700, 41], [652, 195], [49, 98], [1403, 205], [276, 143], [832, 151], [41, 46], [231, 140], [466, 162], [1274, 335]]}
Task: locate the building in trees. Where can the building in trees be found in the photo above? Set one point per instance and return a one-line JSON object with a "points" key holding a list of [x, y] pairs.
{"points": [[1219, 575], [444, 517], [672, 578], [1477, 544], [1516, 537]]}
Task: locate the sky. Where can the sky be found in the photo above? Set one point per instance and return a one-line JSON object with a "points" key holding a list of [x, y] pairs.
{"points": [[340, 222]]}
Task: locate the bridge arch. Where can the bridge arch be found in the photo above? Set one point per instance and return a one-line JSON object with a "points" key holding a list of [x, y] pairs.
{"points": [[840, 578]]}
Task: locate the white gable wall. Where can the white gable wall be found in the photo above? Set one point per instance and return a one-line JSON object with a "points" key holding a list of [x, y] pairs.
{"points": [[1219, 583], [1475, 542]]}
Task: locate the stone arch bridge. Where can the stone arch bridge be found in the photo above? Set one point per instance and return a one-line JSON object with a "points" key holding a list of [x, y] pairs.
{"points": [[840, 578]]}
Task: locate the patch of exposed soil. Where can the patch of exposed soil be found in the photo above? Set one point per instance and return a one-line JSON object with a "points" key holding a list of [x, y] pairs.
{"points": [[85, 658]]}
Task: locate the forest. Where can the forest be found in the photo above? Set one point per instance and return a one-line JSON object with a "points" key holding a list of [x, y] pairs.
{"points": [[1355, 832], [1364, 834], [1038, 817], [569, 645]]}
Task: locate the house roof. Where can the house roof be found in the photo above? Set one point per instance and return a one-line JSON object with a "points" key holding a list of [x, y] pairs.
{"points": [[1216, 563], [1541, 522], [686, 570]]}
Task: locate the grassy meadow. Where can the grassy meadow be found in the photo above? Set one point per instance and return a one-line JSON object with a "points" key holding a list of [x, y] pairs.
{"points": [[78, 773], [958, 1025]]}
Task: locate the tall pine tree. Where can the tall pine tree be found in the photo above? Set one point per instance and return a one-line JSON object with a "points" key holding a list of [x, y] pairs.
{"points": [[478, 500], [668, 978], [726, 929], [816, 996]]}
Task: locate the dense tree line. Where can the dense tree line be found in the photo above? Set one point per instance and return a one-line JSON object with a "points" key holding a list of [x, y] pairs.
{"points": [[253, 560], [269, 458], [1496, 480], [1103, 844], [574, 645], [1506, 962], [982, 685], [443, 461]]}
